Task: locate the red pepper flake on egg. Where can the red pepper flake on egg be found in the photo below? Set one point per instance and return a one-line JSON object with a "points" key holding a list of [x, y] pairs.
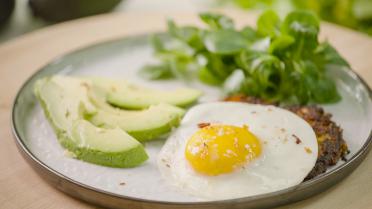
{"points": [[298, 140], [202, 125]]}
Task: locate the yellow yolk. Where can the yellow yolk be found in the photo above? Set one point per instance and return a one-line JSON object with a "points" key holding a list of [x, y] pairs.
{"points": [[219, 149]]}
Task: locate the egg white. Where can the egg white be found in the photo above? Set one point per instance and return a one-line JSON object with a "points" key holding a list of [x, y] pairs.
{"points": [[283, 162]]}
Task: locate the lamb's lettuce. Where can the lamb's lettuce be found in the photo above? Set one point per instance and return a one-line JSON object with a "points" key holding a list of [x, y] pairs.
{"points": [[282, 60]]}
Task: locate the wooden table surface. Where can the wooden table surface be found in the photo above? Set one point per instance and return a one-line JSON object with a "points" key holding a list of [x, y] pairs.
{"points": [[20, 187]]}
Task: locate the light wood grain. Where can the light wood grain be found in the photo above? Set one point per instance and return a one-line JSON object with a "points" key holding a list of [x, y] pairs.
{"points": [[20, 187]]}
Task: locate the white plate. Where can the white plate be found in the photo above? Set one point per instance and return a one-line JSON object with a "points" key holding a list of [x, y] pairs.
{"points": [[122, 59]]}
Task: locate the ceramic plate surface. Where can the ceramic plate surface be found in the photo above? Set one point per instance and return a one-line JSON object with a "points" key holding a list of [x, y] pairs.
{"points": [[144, 186]]}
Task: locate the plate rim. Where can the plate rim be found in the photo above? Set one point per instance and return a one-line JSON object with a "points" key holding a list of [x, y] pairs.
{"points": [[354, 161]]}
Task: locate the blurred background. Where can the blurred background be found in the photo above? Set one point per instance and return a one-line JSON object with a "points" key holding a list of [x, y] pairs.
{"points": [[18, 17]]}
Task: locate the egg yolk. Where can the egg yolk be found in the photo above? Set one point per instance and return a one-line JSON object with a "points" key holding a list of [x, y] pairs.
{"points": [[220, 149]]}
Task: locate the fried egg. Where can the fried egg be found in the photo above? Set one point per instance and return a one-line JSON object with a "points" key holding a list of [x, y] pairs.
{"points": [[225, 150]]}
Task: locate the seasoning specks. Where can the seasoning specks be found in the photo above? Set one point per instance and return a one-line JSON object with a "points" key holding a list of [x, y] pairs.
{"points": [[298, 140], [308, 150], [202, 125]]}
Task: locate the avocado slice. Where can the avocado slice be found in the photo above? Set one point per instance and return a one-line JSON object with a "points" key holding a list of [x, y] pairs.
{"points": [[128, 96], [64, 101], [143, 125], [108, 147]]}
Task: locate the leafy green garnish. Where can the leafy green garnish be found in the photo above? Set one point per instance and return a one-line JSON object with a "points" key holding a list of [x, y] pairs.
{"points": [[216, 43], [355, 14], [281, 61], [268, 24], [217, 21], [155, 72]]}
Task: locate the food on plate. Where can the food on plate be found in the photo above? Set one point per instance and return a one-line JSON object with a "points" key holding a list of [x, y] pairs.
{"points": [[129, 96], [63, 101], [331, 145], [93, 130], [267, 140], [146, 124], [271, 59], [108, 147], [229, 150]]}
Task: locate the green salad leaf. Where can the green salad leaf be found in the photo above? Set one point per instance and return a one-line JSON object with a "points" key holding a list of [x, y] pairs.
{"points": [[217, 21], [268, 24], [355, 14], [280, 61], [224, 41]]}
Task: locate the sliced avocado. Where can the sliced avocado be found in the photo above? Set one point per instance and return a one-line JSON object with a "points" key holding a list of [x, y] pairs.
{"points": [[129, 96], [60, 102], [142, 124], [63, 99], [108, 147]]}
